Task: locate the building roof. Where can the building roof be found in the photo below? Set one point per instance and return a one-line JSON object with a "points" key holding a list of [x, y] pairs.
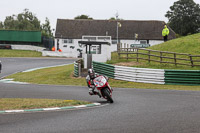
{"points": [[146, 30]]}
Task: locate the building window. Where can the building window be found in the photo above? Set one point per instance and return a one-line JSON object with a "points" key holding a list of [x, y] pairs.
{"points": [[67, 40], [143, 42], [96, 50], [90, 38], [114, 41]]}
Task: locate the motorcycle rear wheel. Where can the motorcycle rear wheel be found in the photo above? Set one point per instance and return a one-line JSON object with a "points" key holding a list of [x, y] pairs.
{"points": [[106, 94]]}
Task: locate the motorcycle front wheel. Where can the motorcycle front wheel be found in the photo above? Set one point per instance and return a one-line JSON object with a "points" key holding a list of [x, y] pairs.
{"points": [[106, 94]]}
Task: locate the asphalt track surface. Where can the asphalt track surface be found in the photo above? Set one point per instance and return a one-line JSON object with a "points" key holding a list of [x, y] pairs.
{"points": [[133, 110]]}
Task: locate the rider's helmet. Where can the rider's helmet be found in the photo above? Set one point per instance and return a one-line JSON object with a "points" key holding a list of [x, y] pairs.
{"points": [[91, 73]]}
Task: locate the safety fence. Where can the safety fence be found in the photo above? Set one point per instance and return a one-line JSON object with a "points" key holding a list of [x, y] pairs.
{"points": [[144, 75]]}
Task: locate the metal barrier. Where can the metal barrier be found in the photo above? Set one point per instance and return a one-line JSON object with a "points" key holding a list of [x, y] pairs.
{"points": [[77, 68], [145, 75], [183, 77], [104, 69]]}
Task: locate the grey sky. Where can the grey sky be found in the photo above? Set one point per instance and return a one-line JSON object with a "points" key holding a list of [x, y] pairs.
{"points": [[97, 9]]}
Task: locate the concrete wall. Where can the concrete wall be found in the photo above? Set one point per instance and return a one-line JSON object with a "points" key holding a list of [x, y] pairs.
{"points": [[27, 47], [59, 54]]}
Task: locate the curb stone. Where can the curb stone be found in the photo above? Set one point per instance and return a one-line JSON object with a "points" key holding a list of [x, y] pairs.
{"points": [[50, 109], [10, 81]]}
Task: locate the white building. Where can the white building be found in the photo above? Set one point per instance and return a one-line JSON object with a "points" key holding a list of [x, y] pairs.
{"points": [[70, 32]]}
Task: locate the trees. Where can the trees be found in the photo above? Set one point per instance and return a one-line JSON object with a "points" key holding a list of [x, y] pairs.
{"points": [[83, 17], [46, 29], [26, 21], [184, 17], [1, 25], [113, 18]]}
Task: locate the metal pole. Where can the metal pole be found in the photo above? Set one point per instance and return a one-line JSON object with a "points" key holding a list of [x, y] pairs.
{"points": [[117, 33], [117, 26]]}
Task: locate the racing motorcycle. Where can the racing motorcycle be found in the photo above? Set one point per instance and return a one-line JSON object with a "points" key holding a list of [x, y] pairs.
{"points": [[103, 88]]}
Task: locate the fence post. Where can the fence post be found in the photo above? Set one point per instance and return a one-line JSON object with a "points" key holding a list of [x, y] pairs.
{"points": [[175, 58], [149, 56], [118, 47], [137, 54], [160, 57], [191, 60], [127, 54]]}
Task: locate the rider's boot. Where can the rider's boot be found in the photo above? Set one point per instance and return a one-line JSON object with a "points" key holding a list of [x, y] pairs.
{"points": [[91, 91]]}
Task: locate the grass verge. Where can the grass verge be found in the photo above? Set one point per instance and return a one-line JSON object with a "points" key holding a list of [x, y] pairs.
{"points": [[145, 64], [19, 53], [24, 103], [63, 75]]}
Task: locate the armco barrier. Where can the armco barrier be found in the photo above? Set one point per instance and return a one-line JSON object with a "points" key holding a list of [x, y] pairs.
{"points": [[145, 75], [129, 73], [139, 74], [76, 69], [104, 69], [183, 77]]}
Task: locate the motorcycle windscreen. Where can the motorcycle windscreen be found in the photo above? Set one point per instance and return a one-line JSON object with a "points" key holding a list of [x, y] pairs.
{"points": [[100, 81]]}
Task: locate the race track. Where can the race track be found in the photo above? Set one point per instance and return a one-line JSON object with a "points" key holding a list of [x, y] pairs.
{"points": [[133, 110]]}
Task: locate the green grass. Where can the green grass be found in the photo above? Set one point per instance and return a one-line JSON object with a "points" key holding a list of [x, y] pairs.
{"points": [[25, 103], [19, 53], [56, 75], [189, 44], [63, 75]]}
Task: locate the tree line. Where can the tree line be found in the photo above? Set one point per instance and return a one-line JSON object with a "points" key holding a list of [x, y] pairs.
{"points": [[26, 21], [184, 17]]}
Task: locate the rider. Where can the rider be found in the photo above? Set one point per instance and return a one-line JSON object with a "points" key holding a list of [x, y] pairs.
{"points": [[89, 79]]}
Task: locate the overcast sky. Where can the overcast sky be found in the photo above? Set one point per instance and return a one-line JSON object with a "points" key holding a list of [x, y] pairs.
{"points": [[97, 9]]}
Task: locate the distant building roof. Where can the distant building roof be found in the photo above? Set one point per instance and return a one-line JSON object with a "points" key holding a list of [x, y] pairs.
{"points": [[146, 30]]}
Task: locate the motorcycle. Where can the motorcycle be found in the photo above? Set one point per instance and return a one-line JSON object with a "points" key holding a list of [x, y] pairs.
{"points": [[103, 88]]}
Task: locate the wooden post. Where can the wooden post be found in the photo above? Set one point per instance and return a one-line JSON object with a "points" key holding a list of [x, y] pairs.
{"points": [[160, 57], [149, 56], [175, 58], [192, 64], [127, 54], [118, 47], [137, 54]]}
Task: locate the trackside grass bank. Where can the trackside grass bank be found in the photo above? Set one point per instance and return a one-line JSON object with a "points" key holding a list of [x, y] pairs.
{"points": [[189, 44], [19, 53], [24, 103], [63, 75]]}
